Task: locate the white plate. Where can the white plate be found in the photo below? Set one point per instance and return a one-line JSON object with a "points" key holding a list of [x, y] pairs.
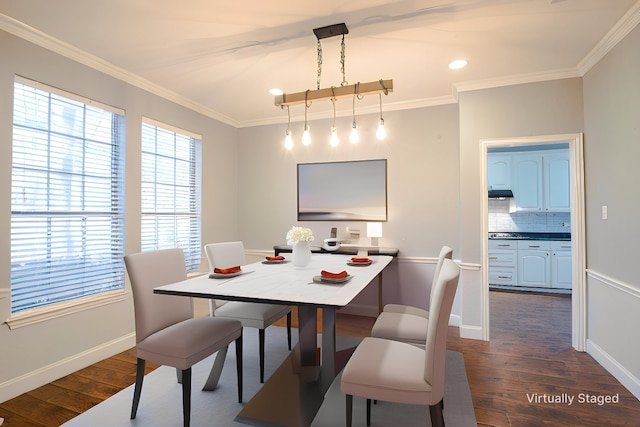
{"points": [[329, 281], [224, 276], [277, 261], [359, 264]]}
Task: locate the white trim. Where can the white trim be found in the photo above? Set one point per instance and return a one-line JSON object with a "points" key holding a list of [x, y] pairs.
{"points": [[39, 377], [48, 42], [620, 286], [578, 234], [618, 32], [51, 89], [472, 332], [514, 80], [626, 378], [171, 128], [64, 308]]}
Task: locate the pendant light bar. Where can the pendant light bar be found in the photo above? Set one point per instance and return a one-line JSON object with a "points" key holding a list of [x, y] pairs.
{"points": [[370, 88]]}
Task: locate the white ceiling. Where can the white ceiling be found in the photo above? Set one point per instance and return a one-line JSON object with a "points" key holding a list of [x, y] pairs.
{"points": [[222, 57]]}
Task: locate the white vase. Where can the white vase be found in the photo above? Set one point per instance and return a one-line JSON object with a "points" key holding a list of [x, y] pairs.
{"points": [[301, 254]]}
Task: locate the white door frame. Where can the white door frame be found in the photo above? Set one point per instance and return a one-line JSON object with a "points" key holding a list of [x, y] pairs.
{"points": [[578, 242]]}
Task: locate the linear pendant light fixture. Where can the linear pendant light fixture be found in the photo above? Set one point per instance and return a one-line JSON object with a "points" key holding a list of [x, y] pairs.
{"points": [[333, 93]]}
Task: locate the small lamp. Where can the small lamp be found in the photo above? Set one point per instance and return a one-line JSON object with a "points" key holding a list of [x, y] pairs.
{"points": [[374, 230]]}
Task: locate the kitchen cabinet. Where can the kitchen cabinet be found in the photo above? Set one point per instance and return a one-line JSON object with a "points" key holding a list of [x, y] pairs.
{"points": [[540, 181], [503, 261], [556, 182], [527, 181], [561, 271], [534, 263], [499, 171]]}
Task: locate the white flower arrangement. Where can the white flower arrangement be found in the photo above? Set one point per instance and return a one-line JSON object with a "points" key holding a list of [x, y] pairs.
{"points": [[299, 234]]}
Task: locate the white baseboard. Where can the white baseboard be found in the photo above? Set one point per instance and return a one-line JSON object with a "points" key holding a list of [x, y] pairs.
{"points": [[471, 332], [625, 377], [27, 382]]}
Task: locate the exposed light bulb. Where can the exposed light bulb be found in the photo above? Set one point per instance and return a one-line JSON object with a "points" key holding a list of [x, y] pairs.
{"points": [[354, 138], [306, 137], [334, 140], [288, 140], [381, 133]]}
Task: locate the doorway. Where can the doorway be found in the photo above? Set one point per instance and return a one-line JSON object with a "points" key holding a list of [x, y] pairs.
{"points": [[576, 182]]}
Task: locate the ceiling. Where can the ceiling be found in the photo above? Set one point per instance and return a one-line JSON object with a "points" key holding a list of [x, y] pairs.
{"points": [[221, 58]]}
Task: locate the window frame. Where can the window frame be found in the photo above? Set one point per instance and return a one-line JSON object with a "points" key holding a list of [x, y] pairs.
{"points": [[31, 315], [192, 249]]}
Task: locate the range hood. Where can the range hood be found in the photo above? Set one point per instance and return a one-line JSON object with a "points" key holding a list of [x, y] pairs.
{"points": [[500, 194]]}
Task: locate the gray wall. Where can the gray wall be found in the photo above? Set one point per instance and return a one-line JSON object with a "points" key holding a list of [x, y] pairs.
{"points": [[36, 354], [612, 153]]}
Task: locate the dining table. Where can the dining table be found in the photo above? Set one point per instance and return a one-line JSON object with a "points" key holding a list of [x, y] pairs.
{"points": [[294, 392]]}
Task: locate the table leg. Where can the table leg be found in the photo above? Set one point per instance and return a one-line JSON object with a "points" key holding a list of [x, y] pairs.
{"points": [[380, 292], [308, 339], [328, 351]]}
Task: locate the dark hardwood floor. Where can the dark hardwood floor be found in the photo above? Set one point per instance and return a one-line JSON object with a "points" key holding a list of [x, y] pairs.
{"points": [[529, 354]]}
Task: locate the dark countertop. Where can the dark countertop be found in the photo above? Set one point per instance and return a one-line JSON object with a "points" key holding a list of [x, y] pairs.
{"points": [[529, 236]]}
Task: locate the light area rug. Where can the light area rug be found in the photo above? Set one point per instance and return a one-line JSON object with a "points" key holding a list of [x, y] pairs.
{"points": [[161, 399]]}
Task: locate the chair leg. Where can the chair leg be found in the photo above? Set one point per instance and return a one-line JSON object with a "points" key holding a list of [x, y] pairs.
{"points": [[186, 397], [289, 330], [368, 412], [261, 351], [349, 410], [138, 387], [437, 418], [239, 366]]}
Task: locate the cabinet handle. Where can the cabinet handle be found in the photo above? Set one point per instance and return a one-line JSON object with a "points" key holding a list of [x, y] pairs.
{"points": [[565, 246], [534, 246], [504, 277], [493, 257], [505, 245]]}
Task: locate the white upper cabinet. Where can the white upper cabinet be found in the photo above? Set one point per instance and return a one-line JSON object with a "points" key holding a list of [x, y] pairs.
{"points": [[527, 181], [556, 182], [499, 171], [540, 181]]}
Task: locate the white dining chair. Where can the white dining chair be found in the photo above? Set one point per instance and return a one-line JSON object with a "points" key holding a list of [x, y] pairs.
{"points": [[395, 371], [408, 323], [253, 315], [166, 331]]}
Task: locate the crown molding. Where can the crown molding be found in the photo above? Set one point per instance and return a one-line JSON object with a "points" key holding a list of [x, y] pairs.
{"points": [[514, 80], [39, 38], [622, 28], [619, 31]]}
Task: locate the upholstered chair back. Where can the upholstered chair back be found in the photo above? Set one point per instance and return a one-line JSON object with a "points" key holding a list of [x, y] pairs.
{"points": [[148, 270], [445, 253], [225, 254], [443, 293]]}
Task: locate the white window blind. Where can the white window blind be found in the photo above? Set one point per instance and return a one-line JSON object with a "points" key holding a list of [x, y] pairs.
{"points": [[67, 214], [171, 191]]}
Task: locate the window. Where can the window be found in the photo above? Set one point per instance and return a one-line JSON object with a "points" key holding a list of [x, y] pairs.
{"points": [[171, 191], [67, 221]]}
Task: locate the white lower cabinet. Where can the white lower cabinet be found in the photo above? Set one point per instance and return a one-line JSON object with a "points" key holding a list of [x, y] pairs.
{"points": [[530, 263], [503, 262], [534, 263], [561, 277]]}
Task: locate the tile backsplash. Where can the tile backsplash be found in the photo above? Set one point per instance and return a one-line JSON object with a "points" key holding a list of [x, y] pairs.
{"points": [[501, 220]]}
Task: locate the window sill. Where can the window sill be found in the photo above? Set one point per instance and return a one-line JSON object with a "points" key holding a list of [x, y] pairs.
{"points": [[53, 311]]}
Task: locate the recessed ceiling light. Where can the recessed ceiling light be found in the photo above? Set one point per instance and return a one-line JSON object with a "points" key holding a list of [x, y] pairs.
{"points": [[457, 64], [275, 91]]}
